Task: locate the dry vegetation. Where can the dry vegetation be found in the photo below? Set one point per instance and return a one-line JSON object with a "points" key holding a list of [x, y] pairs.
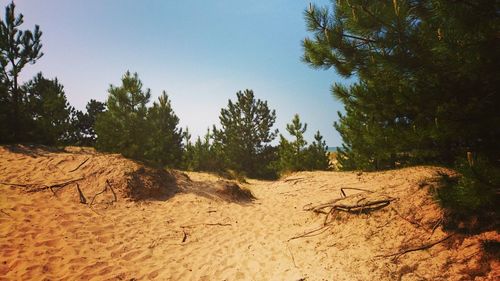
{"points": [[78, 214]]}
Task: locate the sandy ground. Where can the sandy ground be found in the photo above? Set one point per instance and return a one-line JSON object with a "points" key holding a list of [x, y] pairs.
{"points": [[176, 226]]}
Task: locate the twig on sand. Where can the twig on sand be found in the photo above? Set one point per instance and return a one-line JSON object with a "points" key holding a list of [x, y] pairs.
{"points": [[311, 233], [104, 190], [291, 254], [185, 236], [39, 187], [352, 188], [81, 164], [436, 225], [294, 180], [414, 222], [112, 190], [1, 210], [414, 249], [83, 200], [208, 224], [16, 184]]}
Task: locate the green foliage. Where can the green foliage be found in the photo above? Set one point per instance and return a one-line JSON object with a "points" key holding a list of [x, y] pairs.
{"points": [[476, 189], [46, 111], [17, 49], [245, 136], [427, 78], [131, 128], [292, 153], [316, 156], [165, 139], [83, 124], [123, 128], [202, 155], [296, 156]]}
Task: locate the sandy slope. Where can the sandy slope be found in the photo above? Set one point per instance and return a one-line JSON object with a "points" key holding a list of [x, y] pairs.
{"points": [[169, 226]]}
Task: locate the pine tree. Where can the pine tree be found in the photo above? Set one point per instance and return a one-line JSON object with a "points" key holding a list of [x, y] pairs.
{"points": [[47, 112], [246, 133], [123, 128], [427, 78], [83, 124], [165, 138], [296, 155], [316, 155], [17, 49], [292, 153]]}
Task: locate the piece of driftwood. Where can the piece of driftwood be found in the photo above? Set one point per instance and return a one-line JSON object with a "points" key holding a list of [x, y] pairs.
{"points": [[414, 249], [81, 164]]}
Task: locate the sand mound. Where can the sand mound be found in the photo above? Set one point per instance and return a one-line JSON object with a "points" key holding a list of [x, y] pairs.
{"points": [[150, 224], [109, 176]]}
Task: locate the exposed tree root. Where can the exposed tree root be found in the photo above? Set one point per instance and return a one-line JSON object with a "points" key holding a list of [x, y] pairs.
{"points": [[413, 249], [33, 187], [104, 190], [366, 201]]}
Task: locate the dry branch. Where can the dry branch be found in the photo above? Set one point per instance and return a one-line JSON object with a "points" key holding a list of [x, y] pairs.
{"points": [[112, 190], [207, 224], [414, 249], [39, 187], [367, 201], [414, 222], [81, 164], [83, 200], [352, 188], [4, 212], [104, 190]]}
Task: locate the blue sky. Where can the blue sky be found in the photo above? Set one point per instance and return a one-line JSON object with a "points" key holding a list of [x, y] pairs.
{"points": [[200, 52]]}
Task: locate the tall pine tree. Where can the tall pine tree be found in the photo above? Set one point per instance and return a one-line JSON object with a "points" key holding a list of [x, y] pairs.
{"points": [[17, 49], [428, 80], [124, 127], [164, 144], [246, 134]]}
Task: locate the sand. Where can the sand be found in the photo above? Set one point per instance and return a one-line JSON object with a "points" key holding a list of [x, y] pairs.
{"points": [[184, 226]]}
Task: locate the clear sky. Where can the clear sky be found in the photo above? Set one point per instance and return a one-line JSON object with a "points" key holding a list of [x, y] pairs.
{"points": [[201, 52]]}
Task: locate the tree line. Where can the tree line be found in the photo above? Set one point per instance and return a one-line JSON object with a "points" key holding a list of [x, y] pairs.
{"points": [[38, 112]]}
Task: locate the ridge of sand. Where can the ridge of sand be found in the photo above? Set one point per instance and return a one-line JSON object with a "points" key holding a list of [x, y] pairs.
{"points": [[176, 226]]}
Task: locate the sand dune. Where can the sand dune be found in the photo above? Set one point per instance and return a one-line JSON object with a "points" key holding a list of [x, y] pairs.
{"points": [[149, 224]]}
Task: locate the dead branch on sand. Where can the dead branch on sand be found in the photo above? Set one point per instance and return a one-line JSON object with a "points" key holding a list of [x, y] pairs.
{"points": [[83, 200], [207, 224], [414, 249], [104, 190], [411, 221], [294, 180], [4, 212], [81, 164], [39, 187], [365, 201]]}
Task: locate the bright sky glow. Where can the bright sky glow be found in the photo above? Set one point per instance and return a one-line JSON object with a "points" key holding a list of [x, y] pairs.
{"points": [[200, 52]]}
